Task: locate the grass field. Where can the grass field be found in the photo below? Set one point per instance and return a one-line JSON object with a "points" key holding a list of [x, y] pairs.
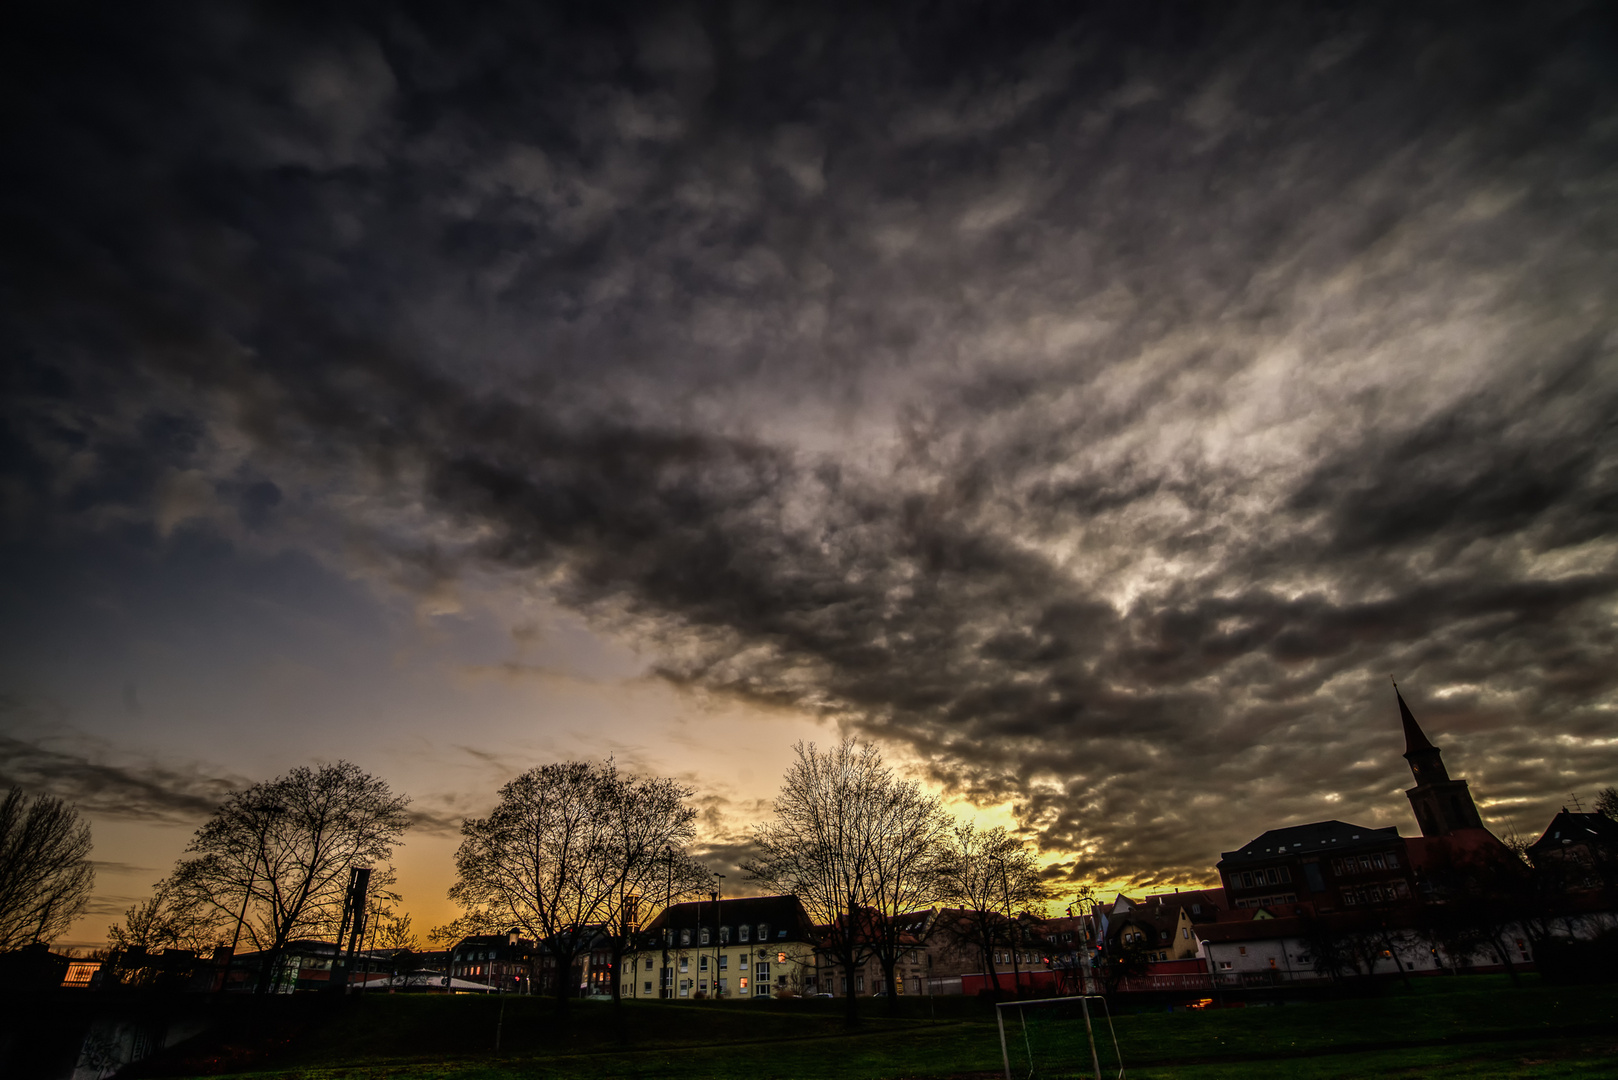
{"points": [[1456, 1028]]}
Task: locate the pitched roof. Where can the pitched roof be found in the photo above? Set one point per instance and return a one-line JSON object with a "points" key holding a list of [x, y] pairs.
{"points": [[1209, 901], [1567, 829], [1307, 839], [778, 912]]}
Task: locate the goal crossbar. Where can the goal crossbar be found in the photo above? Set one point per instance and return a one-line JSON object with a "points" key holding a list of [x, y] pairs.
{"points": [[1089, 1031]]}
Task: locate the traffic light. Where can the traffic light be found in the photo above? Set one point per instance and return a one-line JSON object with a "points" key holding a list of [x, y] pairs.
{"points": [[1047, 963]]}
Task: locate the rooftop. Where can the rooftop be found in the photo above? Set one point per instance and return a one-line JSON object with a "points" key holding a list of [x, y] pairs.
{"points": [[1309, 839], [782, 914]]}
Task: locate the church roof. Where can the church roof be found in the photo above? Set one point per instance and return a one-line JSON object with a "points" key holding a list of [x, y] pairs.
{"points": [[1308, 839], [1415, 739]]}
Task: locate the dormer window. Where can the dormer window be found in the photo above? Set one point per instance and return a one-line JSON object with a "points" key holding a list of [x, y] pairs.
{"points": [[764, 931], [705, 935], [724, 935], [685, 937], [743, 931]]}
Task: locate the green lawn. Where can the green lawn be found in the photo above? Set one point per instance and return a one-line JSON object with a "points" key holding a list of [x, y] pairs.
{"points": [[1446, 1028]]}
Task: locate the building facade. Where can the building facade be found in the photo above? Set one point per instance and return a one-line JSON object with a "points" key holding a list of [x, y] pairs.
{"points": [[754, 946]]}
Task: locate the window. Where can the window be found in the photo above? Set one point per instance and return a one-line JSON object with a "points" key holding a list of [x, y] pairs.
{"points": [[762, 971], [1378, 863], [724, 962], [1185, 932], [780, 958], [1393, 861], [702, 963], [705, 935], [1242, 949], [859, 983], [724, 935], [685, 937], [685, 963], [1224, 965], [743, 932], [648, 986], [764, 931]]}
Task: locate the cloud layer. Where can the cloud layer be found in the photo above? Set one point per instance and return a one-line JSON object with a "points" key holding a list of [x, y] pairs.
{"points": [[1094, 410]]}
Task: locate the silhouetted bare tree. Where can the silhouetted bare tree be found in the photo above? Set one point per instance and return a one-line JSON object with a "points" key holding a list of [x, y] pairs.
{"points": [[45, 871], [275, 858], [158, 922], [567, 853], [991, 876], [858, 846]]}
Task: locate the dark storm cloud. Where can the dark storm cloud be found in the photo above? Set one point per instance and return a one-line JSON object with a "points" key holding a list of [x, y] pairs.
{"points": [[1095, 410], [147, 791]]}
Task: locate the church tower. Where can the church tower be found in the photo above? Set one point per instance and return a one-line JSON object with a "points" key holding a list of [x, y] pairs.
{"points": [[1442, 805]]}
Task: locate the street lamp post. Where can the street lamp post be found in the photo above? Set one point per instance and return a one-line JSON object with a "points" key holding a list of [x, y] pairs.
{"points": [[1016, 935], [718, 920]]}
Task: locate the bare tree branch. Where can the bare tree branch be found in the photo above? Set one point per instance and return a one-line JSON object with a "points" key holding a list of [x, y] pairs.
{"points": [[45, 871]]}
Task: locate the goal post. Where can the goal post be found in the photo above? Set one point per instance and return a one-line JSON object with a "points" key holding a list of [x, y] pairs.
{"points": [[1051, 1058]]}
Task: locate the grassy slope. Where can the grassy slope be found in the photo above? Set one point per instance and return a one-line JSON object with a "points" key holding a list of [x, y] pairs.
{"points": [[1452, 1028]]}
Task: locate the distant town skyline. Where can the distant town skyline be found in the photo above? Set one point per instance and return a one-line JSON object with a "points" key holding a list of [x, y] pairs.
{"points": [[1092, 410]]}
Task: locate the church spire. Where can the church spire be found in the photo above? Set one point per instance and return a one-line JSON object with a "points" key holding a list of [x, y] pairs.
{"points": [[1415, 739], [1442, 805]]}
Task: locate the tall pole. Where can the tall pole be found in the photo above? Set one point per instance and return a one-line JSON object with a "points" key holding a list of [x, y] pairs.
{"points": [[1016, 936], [718, 918]]}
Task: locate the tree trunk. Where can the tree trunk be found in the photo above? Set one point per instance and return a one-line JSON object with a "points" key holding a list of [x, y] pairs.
{"points": [[1398, 964], [889, 966], [988, 962], [564, 978], [851, 1006], [1504, 954]]}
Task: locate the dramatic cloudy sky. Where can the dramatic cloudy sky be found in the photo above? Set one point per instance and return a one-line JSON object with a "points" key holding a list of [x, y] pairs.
{"points": [[1094, 409]]}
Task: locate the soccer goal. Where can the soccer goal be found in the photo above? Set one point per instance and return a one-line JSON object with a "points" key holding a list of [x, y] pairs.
{"points": [[1056, 1038]]}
